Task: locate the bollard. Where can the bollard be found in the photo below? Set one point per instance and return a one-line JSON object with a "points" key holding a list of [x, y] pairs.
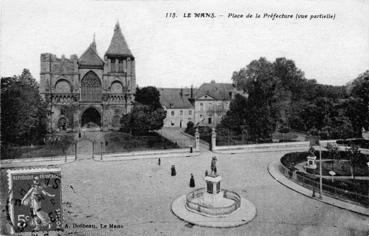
{"points": [[75, 151], [101, 151]]}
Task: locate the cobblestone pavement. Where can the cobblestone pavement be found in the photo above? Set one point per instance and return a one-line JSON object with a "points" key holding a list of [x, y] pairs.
{"points": [[136, 195]]}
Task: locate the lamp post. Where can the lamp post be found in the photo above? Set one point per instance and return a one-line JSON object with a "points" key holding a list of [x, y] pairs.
{"points": [[320, 171], [368, 175], [314, 140]]}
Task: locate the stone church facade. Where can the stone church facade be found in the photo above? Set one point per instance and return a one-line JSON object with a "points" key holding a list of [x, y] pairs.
{"points": [[89, 92]]}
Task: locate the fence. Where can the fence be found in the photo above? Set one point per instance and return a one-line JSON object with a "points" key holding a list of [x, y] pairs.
{"points": [[211, 210], [37, 151], [241, 139], [312, 182], [121, 144]]}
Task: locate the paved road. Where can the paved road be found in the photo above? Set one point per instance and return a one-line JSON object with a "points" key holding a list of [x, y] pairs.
{"points": [[176, 135], [137, 194]]}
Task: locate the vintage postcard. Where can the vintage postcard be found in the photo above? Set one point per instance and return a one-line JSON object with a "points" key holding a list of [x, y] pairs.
{"points": [[184, 117]]}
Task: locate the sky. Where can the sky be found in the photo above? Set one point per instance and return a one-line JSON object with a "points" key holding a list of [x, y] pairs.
{"points": [[180, 52]]}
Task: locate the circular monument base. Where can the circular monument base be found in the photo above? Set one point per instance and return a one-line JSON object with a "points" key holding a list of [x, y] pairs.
{"points": [[244, 214]]}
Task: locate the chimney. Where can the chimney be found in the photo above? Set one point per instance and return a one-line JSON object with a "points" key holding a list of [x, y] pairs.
{"points": [[191, 91], [181, 92]]}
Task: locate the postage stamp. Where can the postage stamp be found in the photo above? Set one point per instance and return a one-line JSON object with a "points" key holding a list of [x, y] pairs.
{"points": [[35, 200]]}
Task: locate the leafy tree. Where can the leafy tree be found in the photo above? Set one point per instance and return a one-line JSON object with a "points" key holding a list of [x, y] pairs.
{"points": [[190, 126], [258, 80], [148, 96], [23, 116], [359, 102], [147, 113], [236, 115]]}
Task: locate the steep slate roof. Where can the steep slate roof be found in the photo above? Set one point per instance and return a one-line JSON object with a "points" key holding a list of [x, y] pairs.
{"points": [[171, 98], [218, 91], [118, 45], [90, 56]]}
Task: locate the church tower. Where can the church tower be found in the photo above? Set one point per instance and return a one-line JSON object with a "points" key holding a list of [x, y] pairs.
{"points": [[89, 93], [119, 71], [120, 65]]}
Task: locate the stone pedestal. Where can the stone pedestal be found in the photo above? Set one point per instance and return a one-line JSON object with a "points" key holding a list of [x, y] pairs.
{"points": [[311, 162], [197, 140], [213, 139], [213, 192]]}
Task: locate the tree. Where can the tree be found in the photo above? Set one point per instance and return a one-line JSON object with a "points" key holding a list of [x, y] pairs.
{"points": [[258, 80], [147, 114], [236, 115], [148, 96], [359, 109], [23, 112]]}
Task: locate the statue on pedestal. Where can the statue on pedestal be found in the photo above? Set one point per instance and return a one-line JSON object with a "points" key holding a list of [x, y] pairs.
{"points": [[213, 167]]}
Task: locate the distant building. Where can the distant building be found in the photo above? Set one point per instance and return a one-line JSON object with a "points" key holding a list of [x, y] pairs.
{"points": [[177, 103], [89, 92], [211, 102], [204, 106]]}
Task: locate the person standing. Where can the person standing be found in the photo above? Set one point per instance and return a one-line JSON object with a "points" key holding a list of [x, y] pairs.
{"points": [[173, 170], [192, 181]]}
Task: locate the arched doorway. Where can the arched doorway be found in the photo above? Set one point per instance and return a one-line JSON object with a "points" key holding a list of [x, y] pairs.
{"points": [[91, 118]]}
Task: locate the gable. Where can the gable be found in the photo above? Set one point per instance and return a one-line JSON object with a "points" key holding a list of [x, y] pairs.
{"points": [[206, 97]]}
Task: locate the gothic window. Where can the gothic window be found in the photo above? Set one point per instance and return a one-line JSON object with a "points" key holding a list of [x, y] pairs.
{"points": [[120, 65], [90, 87], [116, 87], [62, 86], [201, 107], [112, 64], [172, 113]]}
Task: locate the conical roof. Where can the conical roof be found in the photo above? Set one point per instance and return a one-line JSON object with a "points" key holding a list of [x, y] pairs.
{"points": [[118, 45], [90, 56]]}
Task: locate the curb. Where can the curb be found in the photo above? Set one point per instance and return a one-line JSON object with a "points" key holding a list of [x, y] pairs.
{"points": [[126, 157], [245, 150], [275, 173], [38, 162]]}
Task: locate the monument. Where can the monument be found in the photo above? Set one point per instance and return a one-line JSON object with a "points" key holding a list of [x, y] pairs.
{"points": [[212, 206]]}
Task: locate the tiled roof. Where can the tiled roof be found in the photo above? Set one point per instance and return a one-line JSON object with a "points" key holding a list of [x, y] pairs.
{"points": [[118, 45], [218, 91], [90, 57], [175, 98]]}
